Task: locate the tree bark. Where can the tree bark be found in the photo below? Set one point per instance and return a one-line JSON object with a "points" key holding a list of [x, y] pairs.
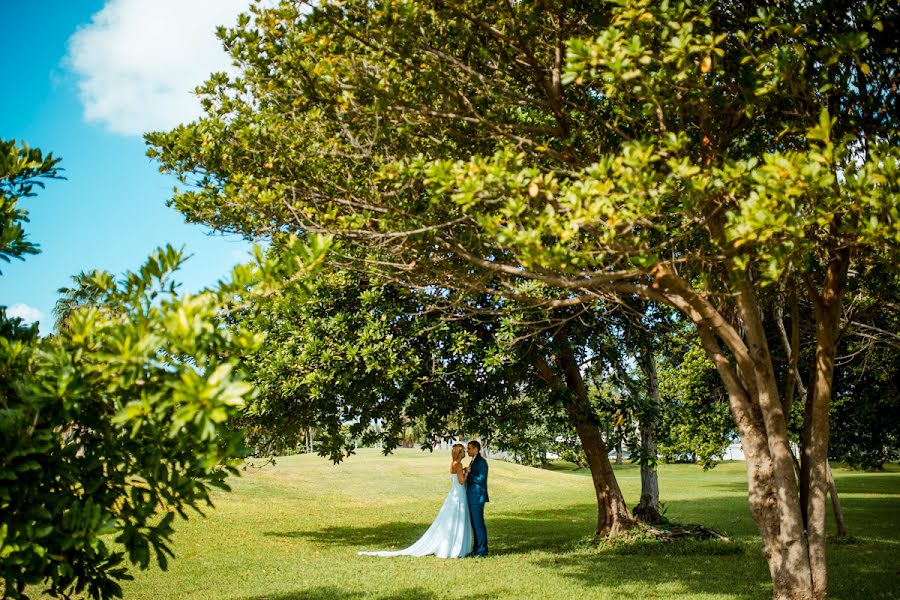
{"points": [[794, 380], [828, 308], [754, 399], [647, 509], [784, 544], [796, 555], [793, 563], [613, 517], [836, 503], [612, 513]]}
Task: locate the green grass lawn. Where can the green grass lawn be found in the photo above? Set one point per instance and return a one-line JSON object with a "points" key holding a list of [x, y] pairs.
{"points": [[291, 532]]}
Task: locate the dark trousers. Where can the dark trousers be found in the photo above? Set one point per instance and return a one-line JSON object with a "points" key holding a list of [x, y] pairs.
{"points": [[476, 514]]}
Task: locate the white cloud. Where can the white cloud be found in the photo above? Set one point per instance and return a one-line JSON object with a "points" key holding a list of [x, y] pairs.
{"points": [[138, 61], [29, 314]]}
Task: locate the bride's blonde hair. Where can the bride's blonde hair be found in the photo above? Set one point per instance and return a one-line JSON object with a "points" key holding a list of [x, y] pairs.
{"points": [[457, 452]]}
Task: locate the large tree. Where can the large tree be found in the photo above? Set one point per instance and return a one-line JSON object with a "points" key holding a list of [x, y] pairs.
{"points": [[352, 350], [360, 349], [705, 155]]}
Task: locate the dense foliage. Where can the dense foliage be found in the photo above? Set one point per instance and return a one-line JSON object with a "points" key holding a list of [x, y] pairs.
{"points": [[356, 351], [116, 424], [696, 423], [712, 156], [865, 431]]}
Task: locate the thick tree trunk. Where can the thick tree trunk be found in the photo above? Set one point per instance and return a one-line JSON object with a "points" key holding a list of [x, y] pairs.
{"points": [[788, 565], [612, 513], [647, 509], [773, 494], [796, 555]]}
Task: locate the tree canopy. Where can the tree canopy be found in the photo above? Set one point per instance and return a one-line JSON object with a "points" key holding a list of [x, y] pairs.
{"points": [[712, 156], [353, 350]]}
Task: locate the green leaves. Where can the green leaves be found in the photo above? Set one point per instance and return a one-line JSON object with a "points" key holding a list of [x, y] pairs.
{"points": [[822, 131], [21, 169], [661, 115], [124, 414], [696, 422], [359, 350]]}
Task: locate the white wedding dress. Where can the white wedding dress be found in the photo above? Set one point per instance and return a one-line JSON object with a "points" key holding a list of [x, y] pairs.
{"points": [[450, 535]]}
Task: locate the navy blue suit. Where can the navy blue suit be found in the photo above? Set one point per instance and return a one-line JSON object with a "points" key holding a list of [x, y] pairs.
{"points": [[477, 495]]}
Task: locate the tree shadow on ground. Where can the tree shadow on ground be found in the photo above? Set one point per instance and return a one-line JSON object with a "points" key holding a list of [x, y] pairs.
{"points": [[852, 483], [666, 576], [516, 533], [861, 569], [334, 593], [387, 536], [865, 568]]}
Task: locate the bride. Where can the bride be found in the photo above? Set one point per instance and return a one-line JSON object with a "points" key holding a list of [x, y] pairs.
{"points": [[450, 535]]}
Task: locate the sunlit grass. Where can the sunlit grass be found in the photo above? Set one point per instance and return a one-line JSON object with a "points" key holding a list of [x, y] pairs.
{"points": [[291, 531]]}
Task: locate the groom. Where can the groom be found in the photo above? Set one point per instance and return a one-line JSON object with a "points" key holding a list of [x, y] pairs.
{"points": [[477, 494]]}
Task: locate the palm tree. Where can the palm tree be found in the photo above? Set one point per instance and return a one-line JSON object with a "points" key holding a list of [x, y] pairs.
{"points": [[89, 289]]}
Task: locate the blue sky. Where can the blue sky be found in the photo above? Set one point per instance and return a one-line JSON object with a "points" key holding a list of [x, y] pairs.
{"points": [[86, 99]]}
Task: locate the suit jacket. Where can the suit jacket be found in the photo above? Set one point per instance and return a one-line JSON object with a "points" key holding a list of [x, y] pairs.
{"points": [[476, 485]]}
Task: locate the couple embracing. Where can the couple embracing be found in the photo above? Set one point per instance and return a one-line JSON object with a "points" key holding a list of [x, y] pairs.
{"points": [[458, 530]]}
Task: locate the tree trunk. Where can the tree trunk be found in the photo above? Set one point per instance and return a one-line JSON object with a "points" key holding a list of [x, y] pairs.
{"points": [[773, 494], [619, 454], [791, 562], [783, 547], [796, 555], [828, 307], [794, 380], [612, 513], [836, 503], [647, 509]]}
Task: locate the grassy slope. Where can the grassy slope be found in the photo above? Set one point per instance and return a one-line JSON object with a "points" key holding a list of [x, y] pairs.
{"points": [[292, 531]]}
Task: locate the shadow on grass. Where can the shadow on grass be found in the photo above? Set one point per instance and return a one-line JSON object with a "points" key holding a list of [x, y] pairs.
{"points": [[863, 569], [668, 576], [518, 533], [334, 593], [627, 468], [852, 483]]}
